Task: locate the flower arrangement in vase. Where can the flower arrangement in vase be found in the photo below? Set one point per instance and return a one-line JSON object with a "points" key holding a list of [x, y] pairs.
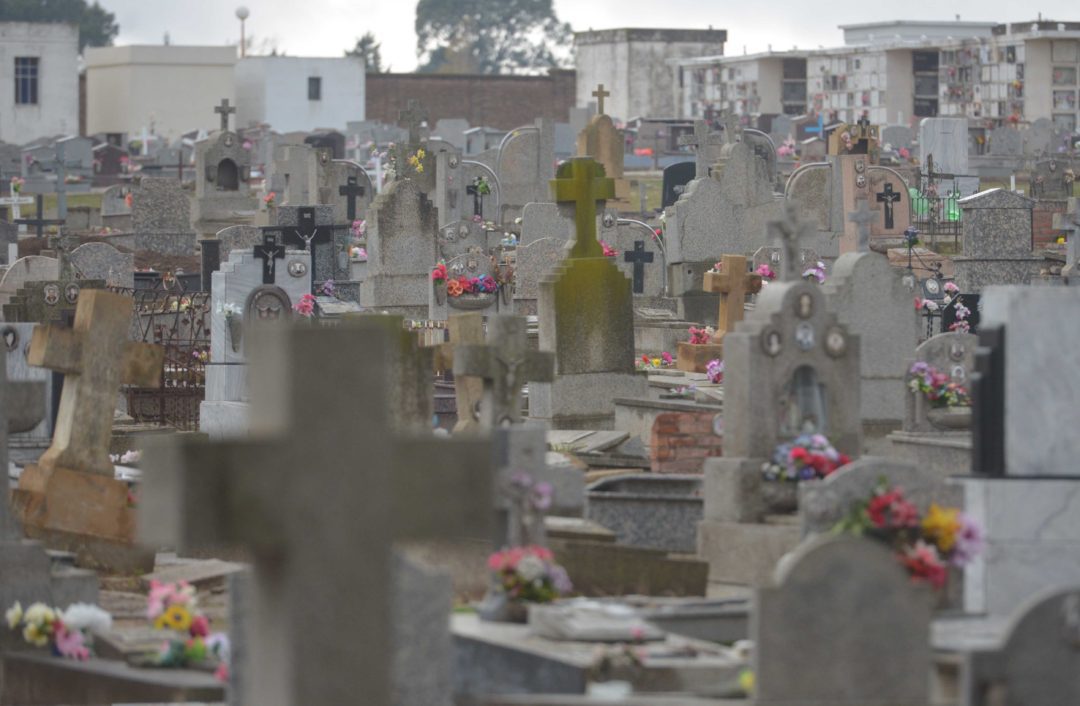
{"points": [[175, 607], [527, 574], [66, 633], [808, 457]]}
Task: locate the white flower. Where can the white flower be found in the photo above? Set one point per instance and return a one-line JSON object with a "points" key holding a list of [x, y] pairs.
{"points": [[83, 616], [531, 568], [39, 614], [14, 615]]}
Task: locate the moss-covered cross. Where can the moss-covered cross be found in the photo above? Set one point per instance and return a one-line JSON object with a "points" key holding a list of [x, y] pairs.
{"points": [[581, 181]]}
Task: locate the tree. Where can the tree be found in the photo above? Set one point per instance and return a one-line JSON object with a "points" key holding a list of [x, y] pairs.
{"points": [[369, 50], [97, 26], [490, 36]]}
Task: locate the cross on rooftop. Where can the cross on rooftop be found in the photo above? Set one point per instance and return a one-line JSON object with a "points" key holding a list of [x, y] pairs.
{"points": [[600, 94], [581, 181], [789, 232], [318, 636], [224, 110], [351, 190], [863, 217], [414, 116]]}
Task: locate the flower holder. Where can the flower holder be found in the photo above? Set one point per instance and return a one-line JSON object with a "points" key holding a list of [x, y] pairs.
{"points": [[472, 302], [440, 292]]}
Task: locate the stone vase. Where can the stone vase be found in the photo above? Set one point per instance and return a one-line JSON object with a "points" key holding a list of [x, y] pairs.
{"points": [[506, 293], [951, 418], [235, 331], [440, 292], [470, 302], [496, 607], [781, 497]]}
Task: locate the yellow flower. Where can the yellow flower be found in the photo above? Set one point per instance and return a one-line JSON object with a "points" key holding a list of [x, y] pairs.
{"points": [[14, 615], [175, 617], [1061, 240], [420, 169], [656, 362], [40, 614], [420, 153], [35, 636], [746, 681], [941, 525]]}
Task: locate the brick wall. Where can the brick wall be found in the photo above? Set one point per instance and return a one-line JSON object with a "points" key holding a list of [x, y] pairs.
{"points": [[504, 102], [1042, 222], [681, 441]]}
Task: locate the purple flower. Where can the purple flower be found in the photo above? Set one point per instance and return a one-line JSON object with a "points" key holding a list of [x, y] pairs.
{"points": [[560, 579], [970, 541], [541, 495]]}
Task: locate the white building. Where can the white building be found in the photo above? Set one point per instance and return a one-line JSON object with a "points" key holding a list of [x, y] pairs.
{"points": [[39, 81], [169, 90], [634, 66], [300, 93]]}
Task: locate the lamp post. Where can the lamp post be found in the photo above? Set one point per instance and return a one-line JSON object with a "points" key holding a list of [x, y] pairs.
{"points": [[242, 14]]}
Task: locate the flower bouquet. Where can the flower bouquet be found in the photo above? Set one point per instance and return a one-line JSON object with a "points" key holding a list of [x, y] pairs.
{"points": [[439, 282], [808, 457], [175, 607], [471, 292], [701, 336], [306, 306], [664, 360], [67, 633], [926, 545], [524, 575], [936, 387]]}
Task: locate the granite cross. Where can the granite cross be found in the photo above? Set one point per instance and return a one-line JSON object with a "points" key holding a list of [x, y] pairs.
{"points": [[505, 363], [600, 94], [863, 217], [732, 283], [639, 256], [789, 232], [581, 181], [888, 197], [413, 116], [318, 636], [269, 252], [464, 329], [96, 358], [351, 190], [40, 222], [223, 110], [731, 126]]}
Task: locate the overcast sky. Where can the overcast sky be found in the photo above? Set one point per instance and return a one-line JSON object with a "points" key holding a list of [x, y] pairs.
{"points": [[328, 27]]}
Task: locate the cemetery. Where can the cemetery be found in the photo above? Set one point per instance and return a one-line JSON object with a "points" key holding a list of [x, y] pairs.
{"points": [[686, 408]]}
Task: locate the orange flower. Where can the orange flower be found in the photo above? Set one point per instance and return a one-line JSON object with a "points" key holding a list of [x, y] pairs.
{"points": [[453, 287]]}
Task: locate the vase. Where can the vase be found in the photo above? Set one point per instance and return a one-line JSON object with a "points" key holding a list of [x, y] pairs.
{"points": [[440, 293], [506, 291], [951, 418], [469, 302], [235, 332], [780, 496], [496, 607]]}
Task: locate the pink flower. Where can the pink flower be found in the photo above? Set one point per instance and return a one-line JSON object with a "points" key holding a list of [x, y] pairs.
{"points": [[71, 643], [200, 626], [667, 358], [222, 672], [306, 306], [608, 250]]}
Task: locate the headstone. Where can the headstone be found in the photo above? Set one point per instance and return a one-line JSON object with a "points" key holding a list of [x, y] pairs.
{"points": [[347, 186], [997, 246], [16, 340], [1053, 179], [384, 490], [877, 656], [1069, 223], [33, 268], [312, 228], [114, 202], [546, 228], [676, 177], [104, 262], [452, 130], [238, 238], [772, 256], [161, 217], [1006, 142], [526, 163], [706, 143], [946, 139], [222, 182], [1039, 137], [604, 143]]}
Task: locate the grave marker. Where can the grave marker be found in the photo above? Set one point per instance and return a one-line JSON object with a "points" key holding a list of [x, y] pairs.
{"points": [[269, 252], [639, 257], [732, 283], [351, 190], [224, 110], [887, 197]]}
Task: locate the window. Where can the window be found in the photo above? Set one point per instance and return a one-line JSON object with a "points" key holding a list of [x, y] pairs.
{"points": [[314, 88], [26, 80]]}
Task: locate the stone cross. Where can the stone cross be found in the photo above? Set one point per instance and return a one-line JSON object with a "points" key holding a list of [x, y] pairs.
{"points": [[600, 94], [888, 197], [789, 232], [269, 252], [464, 329], [40, 222], [863, 217], [505, 363], [639, 256], [581, 181], [96, 358], [732, 283], [413, 116], [345, 495], [223, 110], [731, 126], [351, 190]]}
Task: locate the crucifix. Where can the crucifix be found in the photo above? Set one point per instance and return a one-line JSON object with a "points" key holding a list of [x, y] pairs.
{"points": [[789, 232], [413, 117], [40, 222], [351, 190], [306, 235], [224, 110], [863, 217], [639, 256], [600, 94], [888, 197], [505, 363], [581, 181], [318, 636], [96, 358], [269, 252]]}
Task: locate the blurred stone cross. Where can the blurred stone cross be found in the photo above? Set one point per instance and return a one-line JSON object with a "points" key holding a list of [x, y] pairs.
{"points": [[863, 217], [789, 232], [600, 94], [581, 181], [224, 110]]}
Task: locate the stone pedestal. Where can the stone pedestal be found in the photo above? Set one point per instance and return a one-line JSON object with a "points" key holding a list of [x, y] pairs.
{"points": [[694, 358]]}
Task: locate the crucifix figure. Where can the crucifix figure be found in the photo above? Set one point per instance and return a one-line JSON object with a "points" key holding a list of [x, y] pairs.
{"points": [[96, 358], [863, 217], [581, 181], [639, 256], [888, 197], [318, 636], [505, 363], [40, 222], [269, 252], [413, 117], [351, 190], [789, 232], [305, 235], [600, 94], [224, 110]]}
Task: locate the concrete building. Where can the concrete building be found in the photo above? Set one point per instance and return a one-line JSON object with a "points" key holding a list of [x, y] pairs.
{"points": [[634, 65], [894, 71], [300, 93], [169, 90], [39, 82]]}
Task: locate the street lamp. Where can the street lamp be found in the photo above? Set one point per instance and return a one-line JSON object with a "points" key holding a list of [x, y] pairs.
{"points": [[242, 14]]}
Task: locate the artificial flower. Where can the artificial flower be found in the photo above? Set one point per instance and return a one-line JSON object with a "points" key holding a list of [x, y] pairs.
{"points": [[454, 288], [83, 616], [608, 250], [14, 615], [71, 643], [176, 617], [923, 562], [941, 525]]}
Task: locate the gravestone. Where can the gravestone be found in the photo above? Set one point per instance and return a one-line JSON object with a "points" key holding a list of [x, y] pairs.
{"points": [[161, 217], [525, 165], [997, 245], [763, 148], [946, 139], [676, 177], [110, 164], [733, 283], [602, 141], [871, 300], [546, 228], [1039, 138], [402, 227], [1006, 142], [312, 228], [238, 238], [101, 261], [114, 202], [348, 188], [96, 359], [385, 489], [1069, 223], [706, 143], [1053, 179], [873, 656], [772, 257], [453, 131], [586, 315], [898, 136], [33, 268], [16, 340]]}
